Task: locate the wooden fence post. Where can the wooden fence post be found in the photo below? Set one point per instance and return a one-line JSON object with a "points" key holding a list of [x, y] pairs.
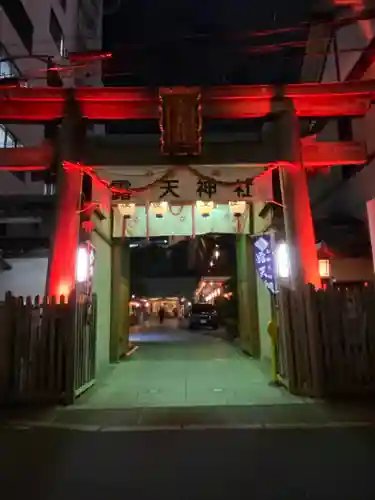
{"points": [[314, 340], [286, 337], [70, 325], [6, 332]]}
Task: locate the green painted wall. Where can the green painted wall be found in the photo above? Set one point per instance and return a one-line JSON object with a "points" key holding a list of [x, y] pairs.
{"points": [[264, 314], [120, 271], [264, 298], [102, 288]]}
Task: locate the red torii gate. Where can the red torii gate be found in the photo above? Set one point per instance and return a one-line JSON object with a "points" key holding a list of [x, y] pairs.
{"points": [[33, 105], [39, 104]]}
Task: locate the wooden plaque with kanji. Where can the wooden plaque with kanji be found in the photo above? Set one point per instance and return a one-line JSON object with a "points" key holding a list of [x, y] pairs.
{"points": [[180, 121]]}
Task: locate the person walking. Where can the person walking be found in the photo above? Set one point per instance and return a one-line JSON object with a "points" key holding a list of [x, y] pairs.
{"points": [[161, 314]]}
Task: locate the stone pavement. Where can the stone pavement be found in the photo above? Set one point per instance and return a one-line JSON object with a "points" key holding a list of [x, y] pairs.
{"points": [[301, 416], [178, 368], [215, 464], [181, 379]]}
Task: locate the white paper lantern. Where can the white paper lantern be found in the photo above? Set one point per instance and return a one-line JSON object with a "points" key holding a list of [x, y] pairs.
{"points": [[324, 268], [127, 210], [282, 260], [238, 208], [205, 208], [159, 209]]}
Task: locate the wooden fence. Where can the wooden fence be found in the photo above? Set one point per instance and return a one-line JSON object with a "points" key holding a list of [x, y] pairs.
{"points": [[47, 348], [329, 340], [84, 344]]}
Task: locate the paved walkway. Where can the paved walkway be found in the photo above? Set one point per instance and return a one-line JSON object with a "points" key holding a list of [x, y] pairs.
{"points": [[178, 368], [284, 464], [189, 380]]}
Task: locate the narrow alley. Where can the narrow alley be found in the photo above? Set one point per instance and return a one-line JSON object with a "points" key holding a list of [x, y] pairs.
{"points": [[174, 367]]}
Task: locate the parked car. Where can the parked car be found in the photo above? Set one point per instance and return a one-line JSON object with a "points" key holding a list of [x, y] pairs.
{"points": [[203, 316]]}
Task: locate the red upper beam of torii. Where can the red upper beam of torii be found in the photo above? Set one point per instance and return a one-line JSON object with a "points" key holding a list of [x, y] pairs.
{"points": [[37, 104]]}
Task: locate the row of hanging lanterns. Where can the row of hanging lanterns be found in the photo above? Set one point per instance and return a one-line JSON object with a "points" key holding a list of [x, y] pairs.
{"points": [[127, 210]]}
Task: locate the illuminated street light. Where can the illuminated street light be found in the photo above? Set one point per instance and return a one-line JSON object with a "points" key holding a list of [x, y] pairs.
{"points": [[82, 265], [282, 260]]}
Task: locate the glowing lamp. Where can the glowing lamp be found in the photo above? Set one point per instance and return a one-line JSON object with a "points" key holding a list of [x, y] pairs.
{"points": [[282, 260], [205, 208], [88, 226], [127, 210], [64, 290], [238, 208], [324, 268], [159, 209], [83, 265]]}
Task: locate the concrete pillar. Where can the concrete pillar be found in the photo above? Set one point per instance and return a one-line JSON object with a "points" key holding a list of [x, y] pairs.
{"points": [[120, 322], [299, 228], [248, 322], [65, 240]]}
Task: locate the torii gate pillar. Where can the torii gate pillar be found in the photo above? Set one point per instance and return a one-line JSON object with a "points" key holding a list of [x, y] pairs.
{"points": [[120, 297], [64, 245], [299, 228]]}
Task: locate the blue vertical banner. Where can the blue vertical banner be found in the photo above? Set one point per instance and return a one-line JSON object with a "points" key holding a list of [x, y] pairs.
{"points": [[264, 261]]}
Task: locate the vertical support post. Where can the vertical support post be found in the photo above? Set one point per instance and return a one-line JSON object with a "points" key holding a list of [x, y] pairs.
{"points": [[120, 321], [62, 263], [70, 334], [248, 319], [64, 244], [7, 337], [298, 220], [370, 205]]}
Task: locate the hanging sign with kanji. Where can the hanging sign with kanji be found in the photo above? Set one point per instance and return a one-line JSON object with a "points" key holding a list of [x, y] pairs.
{"points": [[182, 185], [180, 121], [264, 261]]}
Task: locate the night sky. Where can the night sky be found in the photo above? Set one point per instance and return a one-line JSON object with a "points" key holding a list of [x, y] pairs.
{"points": [[202, 42], [198, 42]]}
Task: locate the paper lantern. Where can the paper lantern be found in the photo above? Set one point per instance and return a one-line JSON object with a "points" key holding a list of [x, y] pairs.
{"points": [[205, 208], [88, 226], [159, 209], [127, 210], [282, 260], [324, 268], [82, 265], [238, 208]]}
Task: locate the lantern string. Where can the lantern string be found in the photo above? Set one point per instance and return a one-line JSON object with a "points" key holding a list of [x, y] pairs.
{"points": [[88, 207], [147, 221], [115, 190], [124, 224], [193, 220], [171, 207]]}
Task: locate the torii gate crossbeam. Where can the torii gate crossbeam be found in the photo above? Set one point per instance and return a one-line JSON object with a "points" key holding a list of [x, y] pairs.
{"points": [[38, 104]]}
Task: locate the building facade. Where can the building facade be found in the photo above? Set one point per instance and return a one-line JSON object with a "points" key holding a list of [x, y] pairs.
{"points": [[341, 49], [31, 31], [33, 35]]}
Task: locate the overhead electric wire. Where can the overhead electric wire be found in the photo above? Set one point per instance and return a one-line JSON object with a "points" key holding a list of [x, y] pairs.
{"points": [[226, 39], [342, 21], [256, 51]]}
